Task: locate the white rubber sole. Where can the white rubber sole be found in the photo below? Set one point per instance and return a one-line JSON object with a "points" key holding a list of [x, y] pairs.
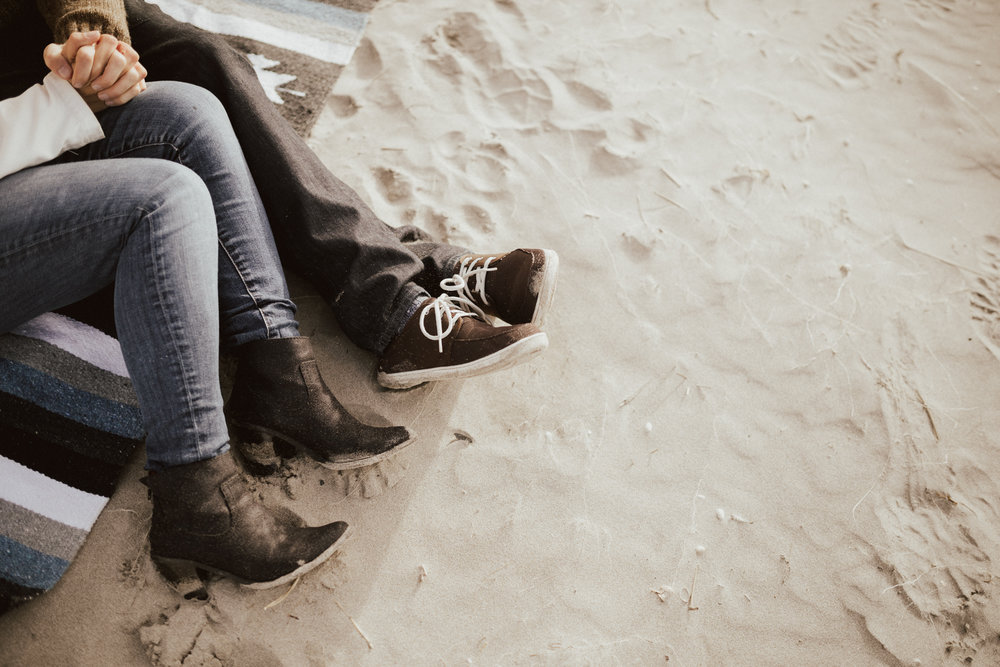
{"points": [[343, 463], [302, 569], [351, 464], [509, 356], [177, 569]]}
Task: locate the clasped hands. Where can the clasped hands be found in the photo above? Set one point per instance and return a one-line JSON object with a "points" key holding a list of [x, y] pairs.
{"points": [[105, 71]]}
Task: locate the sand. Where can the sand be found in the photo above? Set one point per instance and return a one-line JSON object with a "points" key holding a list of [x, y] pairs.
{"points": [[765, 431]]}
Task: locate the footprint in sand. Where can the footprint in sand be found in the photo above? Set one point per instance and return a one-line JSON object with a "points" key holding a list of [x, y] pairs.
{"points": [[298, 476], [851, 50], [467, 230], [344, 106], [740, 186], [199, 634], [511, 7], [366, 61], [484, 167], [370, 481], [395, 186], [467, 50], [984, 301], [931, 501], [589, 97], [930, 9]]}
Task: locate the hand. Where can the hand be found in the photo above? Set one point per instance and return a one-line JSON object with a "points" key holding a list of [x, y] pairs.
{"points": [[94, 101], [105, 71], [59, 57]]}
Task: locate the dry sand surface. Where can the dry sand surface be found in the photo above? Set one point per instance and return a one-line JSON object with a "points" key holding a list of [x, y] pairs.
{"points": [[766, 428]]}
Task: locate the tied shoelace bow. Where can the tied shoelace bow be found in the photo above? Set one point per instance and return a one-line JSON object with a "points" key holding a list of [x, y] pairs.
{"points": [[447, 310], [471, 270]]}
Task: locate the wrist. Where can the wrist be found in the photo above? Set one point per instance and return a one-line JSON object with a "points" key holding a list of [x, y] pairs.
{"points": [[88, 23]]}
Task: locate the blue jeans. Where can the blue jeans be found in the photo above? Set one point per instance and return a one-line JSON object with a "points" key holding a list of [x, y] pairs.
{"points": [[165, 208]]}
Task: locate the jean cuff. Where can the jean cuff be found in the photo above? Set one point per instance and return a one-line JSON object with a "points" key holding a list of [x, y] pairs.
{"points": [[175, 458], [451, 265], [405, 306]]}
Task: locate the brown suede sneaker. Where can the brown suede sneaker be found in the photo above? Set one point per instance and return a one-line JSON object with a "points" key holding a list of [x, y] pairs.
{"points": [[516, 286], [443, 341]]}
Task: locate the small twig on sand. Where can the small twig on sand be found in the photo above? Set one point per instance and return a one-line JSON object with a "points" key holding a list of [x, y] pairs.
{"points": [[354, 623], [642, 216], [669, 201], [667, 174], [275, 603], [708, 8], [691, 592], [927, 411], [942, 259]]}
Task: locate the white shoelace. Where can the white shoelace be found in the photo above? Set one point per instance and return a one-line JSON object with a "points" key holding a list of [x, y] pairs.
{"points": [[448, 310], [471, 268]]}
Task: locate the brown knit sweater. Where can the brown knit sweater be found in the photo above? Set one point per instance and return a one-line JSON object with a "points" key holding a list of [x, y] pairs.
{"points": [[68, 16]]}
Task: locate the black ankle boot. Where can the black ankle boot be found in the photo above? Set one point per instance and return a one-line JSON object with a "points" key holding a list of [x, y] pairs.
{"points": [[204, 516], [279, 393]]}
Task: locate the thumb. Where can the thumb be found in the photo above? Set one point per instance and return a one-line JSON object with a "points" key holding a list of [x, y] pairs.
{"points": [[55, 61]]}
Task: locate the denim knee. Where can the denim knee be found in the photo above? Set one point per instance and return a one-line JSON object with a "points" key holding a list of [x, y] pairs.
{"points": [[179, 200], [193, 111]]}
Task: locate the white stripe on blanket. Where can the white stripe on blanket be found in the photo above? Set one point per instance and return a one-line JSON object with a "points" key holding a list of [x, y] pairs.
{"points": [[44, 495], [335, 46]]}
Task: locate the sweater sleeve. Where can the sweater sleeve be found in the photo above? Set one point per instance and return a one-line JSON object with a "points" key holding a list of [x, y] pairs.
{"points": [[68, 16], [43, 122]]}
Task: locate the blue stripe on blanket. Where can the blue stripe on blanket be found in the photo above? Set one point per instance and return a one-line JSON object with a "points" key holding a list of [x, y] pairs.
{"points": [[60, 398], [27, 567], [318, 11]]}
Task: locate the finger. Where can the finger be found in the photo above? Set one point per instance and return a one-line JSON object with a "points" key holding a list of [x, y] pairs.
{"points": [[82, 65], [130, 54], [77, 40], [115, 68], [102, 54], [122, 61], [126, 88], [127, 96], [54, 60]]}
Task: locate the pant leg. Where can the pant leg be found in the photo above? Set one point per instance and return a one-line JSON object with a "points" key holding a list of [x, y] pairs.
{"points": [[147, 225], [323, 229], [186, 124]]}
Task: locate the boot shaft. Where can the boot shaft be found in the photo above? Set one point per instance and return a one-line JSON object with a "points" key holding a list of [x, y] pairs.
{"points": [[190, 498]]}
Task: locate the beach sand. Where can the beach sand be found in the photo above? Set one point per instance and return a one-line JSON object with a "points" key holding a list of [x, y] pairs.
{"points": [[765, 430]]}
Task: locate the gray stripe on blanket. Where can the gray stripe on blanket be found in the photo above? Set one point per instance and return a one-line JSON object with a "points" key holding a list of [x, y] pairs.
{"points": [[64, 366], [40, 532]]}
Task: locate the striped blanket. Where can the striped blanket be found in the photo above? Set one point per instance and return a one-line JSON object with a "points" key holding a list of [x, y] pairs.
{"points": [[69, 421]]}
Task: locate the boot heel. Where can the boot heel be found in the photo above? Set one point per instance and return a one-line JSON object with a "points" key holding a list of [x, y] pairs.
{"points": [[250, 435], [183, 576], [259, 458], [259, 451]]}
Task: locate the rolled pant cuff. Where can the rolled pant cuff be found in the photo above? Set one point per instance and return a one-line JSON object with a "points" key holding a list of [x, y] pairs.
{"points": [[402, 310]]}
